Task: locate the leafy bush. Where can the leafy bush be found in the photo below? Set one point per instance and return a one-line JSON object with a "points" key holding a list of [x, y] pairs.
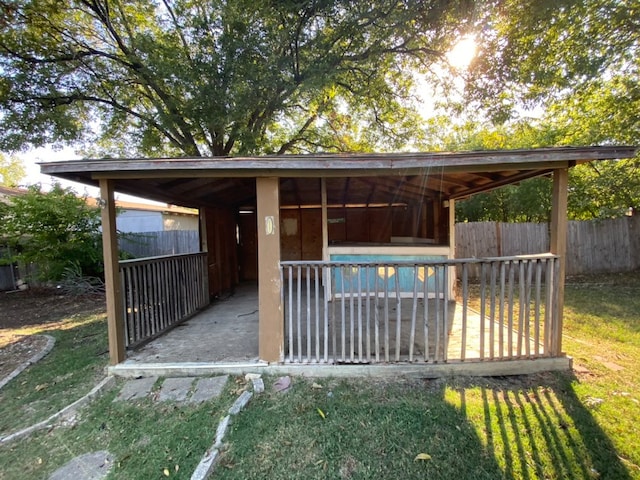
{"points": [[54, 230]]}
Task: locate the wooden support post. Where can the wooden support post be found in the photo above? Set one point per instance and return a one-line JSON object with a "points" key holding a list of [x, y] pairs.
{"points": [[271, 322], [558, 244], [113, 285]]}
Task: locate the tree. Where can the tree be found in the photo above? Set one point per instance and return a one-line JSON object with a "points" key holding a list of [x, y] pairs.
{"points": [[11, 171], [576, 62], [579, 55], [183, 77], [530, 201], [56, 230]]}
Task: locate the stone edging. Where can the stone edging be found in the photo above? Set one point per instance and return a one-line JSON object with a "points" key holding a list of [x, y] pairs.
{"points": [[36, 358], [67, 413], [208, 462]]}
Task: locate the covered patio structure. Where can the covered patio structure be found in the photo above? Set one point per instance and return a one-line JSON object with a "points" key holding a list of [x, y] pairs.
{"points": [[353, 257]]}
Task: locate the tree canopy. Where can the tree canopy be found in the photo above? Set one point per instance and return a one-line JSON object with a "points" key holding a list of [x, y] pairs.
{"points": [[578, 58], [184, 77], [575, 64]]}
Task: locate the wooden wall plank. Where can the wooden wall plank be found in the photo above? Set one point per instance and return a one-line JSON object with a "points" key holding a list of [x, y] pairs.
{"points": [[311, 232], [222, 250]]}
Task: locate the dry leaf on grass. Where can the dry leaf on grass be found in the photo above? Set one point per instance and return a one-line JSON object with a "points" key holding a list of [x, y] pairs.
{"points": [[422, 456]]}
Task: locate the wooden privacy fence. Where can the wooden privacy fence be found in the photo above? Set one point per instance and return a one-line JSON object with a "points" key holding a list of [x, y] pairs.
{"points": [[597, 246], [372, 312], [160, 292]]}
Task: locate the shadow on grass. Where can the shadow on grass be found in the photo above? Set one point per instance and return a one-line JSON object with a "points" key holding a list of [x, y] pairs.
{"points": [[543, 430], [354, 429], [518, 428]]}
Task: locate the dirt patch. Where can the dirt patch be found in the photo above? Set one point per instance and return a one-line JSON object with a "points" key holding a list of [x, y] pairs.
{"points": [[25, 313], [18, 352]]}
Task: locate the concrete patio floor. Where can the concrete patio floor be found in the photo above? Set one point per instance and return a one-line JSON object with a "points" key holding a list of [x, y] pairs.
{"points": [[225, 332]]}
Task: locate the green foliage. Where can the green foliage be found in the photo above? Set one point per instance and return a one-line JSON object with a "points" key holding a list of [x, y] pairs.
{"points": [[577, 63], [11, 171], [181, 77], [535, 52], [54, 230], [604, 189]]}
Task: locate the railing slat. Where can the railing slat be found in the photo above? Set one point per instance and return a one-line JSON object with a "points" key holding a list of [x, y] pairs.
{"points": [[414, 312], [465, 306], [501, 310], [368, 313], [437, 299], [521, 300], [398, 313], [492, 311], [386, 313], [483, 299], [445, 298], [325, 303], [343, 313], [291, 350], [298, 313], [537, 307], [510, 310], [527, 313], [376, 314], [351, 316], [317, 317], [308, 319]]}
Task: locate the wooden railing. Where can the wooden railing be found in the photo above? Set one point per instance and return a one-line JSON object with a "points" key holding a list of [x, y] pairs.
{"points": [[371, 312], [159, 292]]}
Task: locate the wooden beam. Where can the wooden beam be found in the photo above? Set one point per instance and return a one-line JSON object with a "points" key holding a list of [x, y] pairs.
{"points": [[271, 320], [505, 180], [558, 244], [113, 285]]}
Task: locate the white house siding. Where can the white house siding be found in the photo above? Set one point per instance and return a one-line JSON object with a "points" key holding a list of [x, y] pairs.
{"points": [[138, 221], [172, 221]]}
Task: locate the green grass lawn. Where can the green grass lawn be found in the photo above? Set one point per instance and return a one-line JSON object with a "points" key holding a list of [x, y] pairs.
{"points": [[144, 437], [554, 426], [76, 363]]}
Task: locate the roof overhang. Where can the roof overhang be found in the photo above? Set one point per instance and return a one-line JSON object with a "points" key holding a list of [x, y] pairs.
{"points": [[354, 178]]}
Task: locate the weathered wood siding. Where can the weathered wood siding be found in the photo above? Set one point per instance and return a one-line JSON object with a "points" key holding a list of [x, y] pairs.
{"points": [[222, 249], [603, 246]]}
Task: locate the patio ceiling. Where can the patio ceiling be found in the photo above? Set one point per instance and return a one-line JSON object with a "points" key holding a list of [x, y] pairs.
{"points": [[362, 179]]}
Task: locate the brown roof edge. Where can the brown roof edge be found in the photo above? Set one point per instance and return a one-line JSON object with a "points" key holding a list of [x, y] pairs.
{"points": [[345, 161]]}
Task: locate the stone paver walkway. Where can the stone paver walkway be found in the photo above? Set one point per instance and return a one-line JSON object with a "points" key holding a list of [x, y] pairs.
{"points": [[192, 390], [90, 466]]}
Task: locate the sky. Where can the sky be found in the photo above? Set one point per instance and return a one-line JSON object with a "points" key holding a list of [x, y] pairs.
{"points": [[31, 159]]}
